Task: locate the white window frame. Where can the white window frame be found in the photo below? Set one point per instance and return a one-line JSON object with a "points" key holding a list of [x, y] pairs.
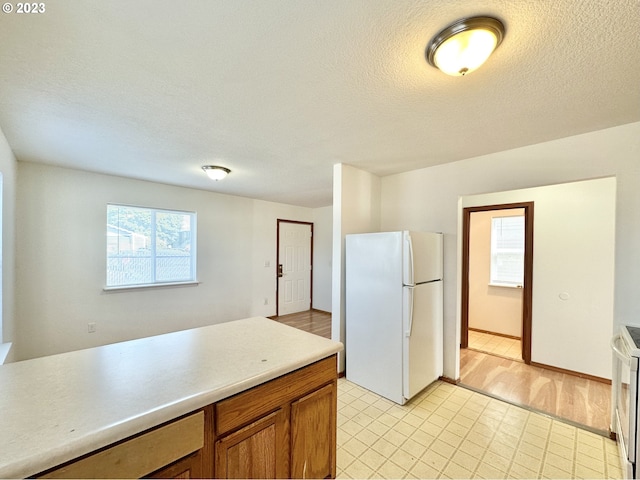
{"points": [[498, 277], [153, 247]]}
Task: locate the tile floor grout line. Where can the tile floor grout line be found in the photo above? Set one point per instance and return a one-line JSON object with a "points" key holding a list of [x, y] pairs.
{"points": [[546, 449], [444, 401], [606, 463], [450, 459], [513, 457], [425, 420], [486, 449]]}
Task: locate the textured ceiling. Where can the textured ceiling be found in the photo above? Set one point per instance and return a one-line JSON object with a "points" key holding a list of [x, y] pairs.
{"points": [[280, 90]]}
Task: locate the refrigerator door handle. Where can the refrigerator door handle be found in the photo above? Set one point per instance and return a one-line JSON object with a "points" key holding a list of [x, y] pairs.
{"points": [[411, 273], [407, 333]]}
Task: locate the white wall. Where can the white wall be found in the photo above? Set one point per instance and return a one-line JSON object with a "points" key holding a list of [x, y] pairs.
{"points": [[356, 209], [427, 199], [8, 168], [264, 230], [491, 308], [60, 251], [322, 256], [573, 256]]}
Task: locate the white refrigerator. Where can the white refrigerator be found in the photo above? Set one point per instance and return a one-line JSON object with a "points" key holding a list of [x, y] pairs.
{"points": [[394, 320]]}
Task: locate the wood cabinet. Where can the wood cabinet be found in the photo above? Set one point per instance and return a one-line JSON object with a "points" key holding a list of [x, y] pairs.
{"points": [[313, 439], [258, 450], [284, 428], [181, 441], [287, 425], [188, 467]]}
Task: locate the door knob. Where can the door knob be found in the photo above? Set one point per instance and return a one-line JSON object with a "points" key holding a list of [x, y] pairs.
{"points": [[280, 274]]}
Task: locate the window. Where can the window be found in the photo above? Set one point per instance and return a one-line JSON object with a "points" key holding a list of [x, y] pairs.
{"points": [[147, 246], [507, 251]]}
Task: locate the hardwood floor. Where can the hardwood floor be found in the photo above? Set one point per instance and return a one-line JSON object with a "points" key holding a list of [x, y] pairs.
{"points": [[312, 321], [579, 400]]}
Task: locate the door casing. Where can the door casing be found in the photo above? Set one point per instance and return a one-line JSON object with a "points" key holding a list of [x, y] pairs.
{"points": [[279, 221], [527, 294]]}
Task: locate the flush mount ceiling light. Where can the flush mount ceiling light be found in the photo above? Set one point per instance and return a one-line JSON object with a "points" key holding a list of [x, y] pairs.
{"points": [[465, 45], [215, 172]]}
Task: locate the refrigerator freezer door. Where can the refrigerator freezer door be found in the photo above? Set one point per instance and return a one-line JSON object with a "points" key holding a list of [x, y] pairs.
{"points": [[425, 249], [422, 342], [373, 322]]}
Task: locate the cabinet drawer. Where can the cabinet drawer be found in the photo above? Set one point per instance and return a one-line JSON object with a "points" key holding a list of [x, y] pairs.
{"points": [[244, 407], [139, 455]]}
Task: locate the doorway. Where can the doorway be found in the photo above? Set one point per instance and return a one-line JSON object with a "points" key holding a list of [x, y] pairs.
{"points": [[527, 291], [294, 266]]}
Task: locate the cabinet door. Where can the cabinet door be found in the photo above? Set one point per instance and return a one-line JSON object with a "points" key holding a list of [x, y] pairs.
{"points": [[259, 450], [313, 434], [188, 467]]}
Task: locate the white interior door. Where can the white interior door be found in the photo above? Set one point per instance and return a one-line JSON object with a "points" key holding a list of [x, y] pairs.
{"points": [[294, 268]]}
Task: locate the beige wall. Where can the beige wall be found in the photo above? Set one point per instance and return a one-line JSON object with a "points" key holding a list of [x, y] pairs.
{"points": [[573, 271], [356, 209], [8, 168], [60, 251], [493, 309], [429, 199], [322, 255]]}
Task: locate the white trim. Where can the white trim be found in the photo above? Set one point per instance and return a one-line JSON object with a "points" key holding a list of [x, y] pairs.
{"points": [[171, 210], [150, 285], [4, 352], [505, 285], [152, 246]]}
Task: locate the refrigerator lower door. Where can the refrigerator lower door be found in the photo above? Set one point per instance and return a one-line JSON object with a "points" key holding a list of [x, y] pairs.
{"points": [[422, 342]]}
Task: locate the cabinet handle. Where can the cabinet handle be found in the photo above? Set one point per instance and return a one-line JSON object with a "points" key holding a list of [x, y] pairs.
{"points": [[304, 470]]}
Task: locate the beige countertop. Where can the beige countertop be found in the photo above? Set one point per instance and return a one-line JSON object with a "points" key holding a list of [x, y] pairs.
{"points": [[56, 408]]}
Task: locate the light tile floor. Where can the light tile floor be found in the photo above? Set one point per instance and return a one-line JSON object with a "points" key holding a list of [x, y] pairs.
{"points": [[495, 345], [450, 432]]}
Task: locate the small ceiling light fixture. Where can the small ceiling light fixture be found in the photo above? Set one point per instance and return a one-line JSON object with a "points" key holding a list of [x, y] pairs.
{"points": [[215, 172], [465, 45]]}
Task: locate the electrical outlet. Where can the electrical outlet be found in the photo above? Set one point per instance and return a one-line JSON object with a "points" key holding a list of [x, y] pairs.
{"points": [[267, 263], [91, 327], [266, 301]]}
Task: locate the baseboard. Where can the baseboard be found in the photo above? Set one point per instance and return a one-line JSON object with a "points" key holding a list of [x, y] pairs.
{"points": [[273, 317], [449, 380], [320, 311], [571, 372], [495, 333]]}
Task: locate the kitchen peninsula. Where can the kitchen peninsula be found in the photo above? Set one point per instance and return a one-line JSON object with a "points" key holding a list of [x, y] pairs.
{"points": [[188, 404]]}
